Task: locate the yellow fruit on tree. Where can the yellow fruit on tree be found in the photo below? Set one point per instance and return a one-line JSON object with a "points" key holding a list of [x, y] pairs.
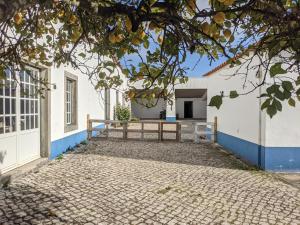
{"points": [[219, 18], [228, 2], [136, 41], [142, 34], [73, 19], [112, 38], [227, 33], [160, 39], [128, 24], [61, 13], [119, 37], [205, 28], [18, 18]]}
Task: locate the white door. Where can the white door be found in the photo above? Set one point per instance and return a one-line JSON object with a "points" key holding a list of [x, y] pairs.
{"points": [[19, 120]]}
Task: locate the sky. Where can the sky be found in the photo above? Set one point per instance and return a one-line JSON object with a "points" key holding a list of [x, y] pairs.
{"points": [[197, 67]]}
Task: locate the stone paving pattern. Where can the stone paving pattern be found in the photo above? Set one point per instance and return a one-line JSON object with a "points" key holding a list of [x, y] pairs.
{"points": [[118, 182]]}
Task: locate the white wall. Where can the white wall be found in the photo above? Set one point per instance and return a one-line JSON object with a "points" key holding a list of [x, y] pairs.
{"points": [[90, 102], [283, 130], [238, 117], [143, 112], [199, 107]]}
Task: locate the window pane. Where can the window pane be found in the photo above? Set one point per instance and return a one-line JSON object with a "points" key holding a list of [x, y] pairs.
{"points": [[22, 76], [27, 123], [1, 106], [36, 106], [22, 106], [31, 91], [31, 107], [22, 123], [32, 122], [1, 125], [13, 106], [7, 106], [13, 88], [27, 106], [27, 90], [1, 88], [7, 88], [27, 76], [13, 123], [36, 122], [7, 124], [22, 90]]}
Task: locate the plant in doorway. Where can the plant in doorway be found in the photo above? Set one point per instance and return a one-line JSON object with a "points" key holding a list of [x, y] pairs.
{"points": [[122, 113]]}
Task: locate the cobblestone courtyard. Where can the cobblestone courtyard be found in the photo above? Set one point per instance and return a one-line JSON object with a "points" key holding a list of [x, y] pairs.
{"points": [[116, 182]]}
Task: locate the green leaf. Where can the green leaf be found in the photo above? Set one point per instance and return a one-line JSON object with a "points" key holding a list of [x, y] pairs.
{"points": [[233, 94], [146, 44], [287, 85], [292, 102], [266, 104], [216, 101], [82, 55], [271, 110], [277, 104], [276, 69]]}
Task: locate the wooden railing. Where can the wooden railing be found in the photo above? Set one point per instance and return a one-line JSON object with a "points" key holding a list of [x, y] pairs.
{"points": [[124, 128]]}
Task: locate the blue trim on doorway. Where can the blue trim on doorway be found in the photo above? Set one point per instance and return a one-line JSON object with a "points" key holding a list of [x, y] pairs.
{"points": [[171, 118], [278, 159], [62, 145]]}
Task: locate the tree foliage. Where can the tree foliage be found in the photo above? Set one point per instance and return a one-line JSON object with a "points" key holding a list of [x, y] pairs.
{"points": [[160, 34]]}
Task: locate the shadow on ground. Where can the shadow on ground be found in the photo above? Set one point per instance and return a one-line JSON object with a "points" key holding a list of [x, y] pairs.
{"points": [[171, 152], [23, 204]]}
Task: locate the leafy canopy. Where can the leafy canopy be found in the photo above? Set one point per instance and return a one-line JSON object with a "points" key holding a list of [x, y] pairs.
{"points": [[160, 34]]}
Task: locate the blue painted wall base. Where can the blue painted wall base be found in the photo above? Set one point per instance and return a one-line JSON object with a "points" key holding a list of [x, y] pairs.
{"points": [[61, 145], [279, 159]]}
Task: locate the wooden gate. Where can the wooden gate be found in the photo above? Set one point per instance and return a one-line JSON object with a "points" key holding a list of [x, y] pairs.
{"points": [[138, 130]]}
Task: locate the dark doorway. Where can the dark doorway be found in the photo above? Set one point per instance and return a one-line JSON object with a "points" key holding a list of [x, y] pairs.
{"points": [[188, 109]]}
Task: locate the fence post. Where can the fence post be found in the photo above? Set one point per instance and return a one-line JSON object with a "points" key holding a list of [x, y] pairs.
{"points": [[88, 127], [106, 128], [142, 134], [215, 129], [161, 131], [178, 132]]}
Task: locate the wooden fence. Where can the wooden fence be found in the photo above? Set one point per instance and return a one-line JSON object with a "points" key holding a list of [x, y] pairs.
{"points": [[124, 129]]}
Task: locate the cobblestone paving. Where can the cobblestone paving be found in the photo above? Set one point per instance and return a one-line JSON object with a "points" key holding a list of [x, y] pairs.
{"points": [[116, 182]]}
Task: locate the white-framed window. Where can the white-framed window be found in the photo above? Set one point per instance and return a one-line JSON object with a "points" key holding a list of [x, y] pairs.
{"points": [[70, 102], [7, 104], [69, 99]]}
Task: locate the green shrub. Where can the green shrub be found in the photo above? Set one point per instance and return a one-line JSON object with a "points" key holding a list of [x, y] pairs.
{"points": [[122, 113]]}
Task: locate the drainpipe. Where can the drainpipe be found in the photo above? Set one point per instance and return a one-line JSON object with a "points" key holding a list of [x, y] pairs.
{"points": [[260, 127]]}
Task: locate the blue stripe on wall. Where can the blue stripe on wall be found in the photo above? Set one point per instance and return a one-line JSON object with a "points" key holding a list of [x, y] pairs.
{"points": [[284, 159], [242, 148], [171, 119], [61, 145]]}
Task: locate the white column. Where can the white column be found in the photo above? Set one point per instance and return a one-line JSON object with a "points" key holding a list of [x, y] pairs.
{"points": [[171, 110]]}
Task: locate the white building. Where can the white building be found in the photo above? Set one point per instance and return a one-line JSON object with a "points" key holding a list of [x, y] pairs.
{"points": [[189, 102], [32, 127], [245, 130]]}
